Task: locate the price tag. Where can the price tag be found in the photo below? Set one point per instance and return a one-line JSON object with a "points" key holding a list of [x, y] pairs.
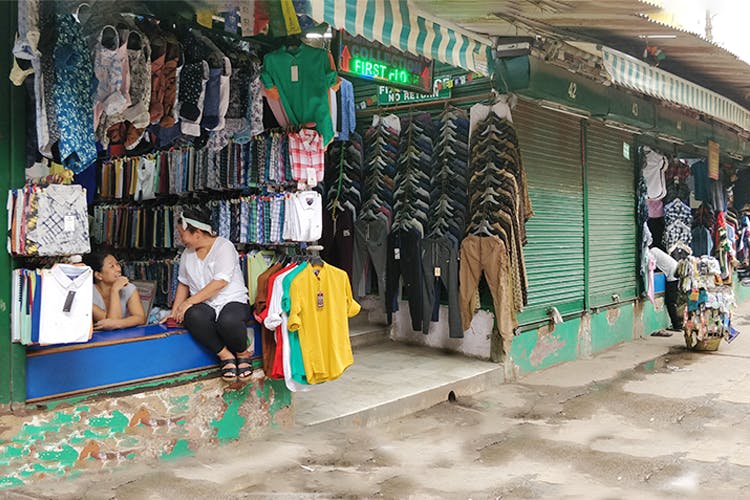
{"points": [[295, 73], [69, 224], [397, 253], [204, 17], [320, 299], [312, 176], [437, 272]]}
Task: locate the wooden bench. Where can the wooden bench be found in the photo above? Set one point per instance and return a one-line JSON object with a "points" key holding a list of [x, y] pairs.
{"points": [[116, 358]]}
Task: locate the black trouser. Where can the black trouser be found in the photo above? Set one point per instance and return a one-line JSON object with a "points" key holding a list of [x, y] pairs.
{"points": [[405, 261], [440, 264], [338, 241], [671, 292], [229, 330]]}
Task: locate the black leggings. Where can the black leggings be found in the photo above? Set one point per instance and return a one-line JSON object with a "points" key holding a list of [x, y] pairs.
{"points": [[229, 330]]}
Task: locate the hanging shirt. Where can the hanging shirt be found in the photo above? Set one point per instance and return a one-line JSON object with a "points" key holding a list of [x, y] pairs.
{"points": [[302, 77], [321, 303], [346, 110], [221, 263], [66, 314], [303, 216], [306, 154], [654, 168]]}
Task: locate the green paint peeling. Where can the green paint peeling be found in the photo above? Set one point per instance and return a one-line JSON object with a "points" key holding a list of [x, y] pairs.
{"points": [[198, 388], [51, 405], [180, 449], [83, 408], [36, 432], [88, 434], [63, 418], [116, 423], [230, 424], [67, 456], [652, 319], [180, 404], [608, 330], [533, 351], [10, 482]]}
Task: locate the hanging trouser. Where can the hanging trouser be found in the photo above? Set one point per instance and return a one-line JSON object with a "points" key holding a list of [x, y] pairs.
{"points": [[440, 265], [370, 242], [405, 261], [338, 241], [488, 254]]}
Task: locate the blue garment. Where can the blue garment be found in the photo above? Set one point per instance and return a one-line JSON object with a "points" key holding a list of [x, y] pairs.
{"points": [[348, 116], [73, 96], [699, 170], [36, 307]]}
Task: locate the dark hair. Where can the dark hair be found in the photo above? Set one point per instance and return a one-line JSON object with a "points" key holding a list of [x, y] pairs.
{"points": [[199, 215], [95, 260]]}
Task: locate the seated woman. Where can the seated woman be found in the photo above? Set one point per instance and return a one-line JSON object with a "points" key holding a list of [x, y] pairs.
{"points": [[116, 300], [211, 298]]}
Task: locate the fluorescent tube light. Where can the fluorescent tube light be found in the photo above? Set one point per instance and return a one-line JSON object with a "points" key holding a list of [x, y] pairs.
{"points": [[567, 110], [621, 126]]}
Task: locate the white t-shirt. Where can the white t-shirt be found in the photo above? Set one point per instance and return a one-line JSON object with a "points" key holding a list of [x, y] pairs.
{"points": [[221, 263], [66, 314]]}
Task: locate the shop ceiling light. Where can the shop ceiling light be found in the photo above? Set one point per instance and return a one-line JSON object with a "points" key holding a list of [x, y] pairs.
{"points": [[670, 138], [735, 156], [658, 37], [621, 126], [567, 110]]}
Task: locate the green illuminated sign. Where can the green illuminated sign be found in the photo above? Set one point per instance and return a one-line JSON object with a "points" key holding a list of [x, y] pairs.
{"points": [[374, 61]]}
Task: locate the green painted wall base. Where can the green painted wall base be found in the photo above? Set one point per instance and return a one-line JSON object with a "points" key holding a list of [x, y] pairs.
{"points": [[583, 336], [78, 434]]}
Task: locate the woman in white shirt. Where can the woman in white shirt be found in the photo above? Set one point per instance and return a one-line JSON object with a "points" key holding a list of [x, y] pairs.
{"points": [[211, 298], [116, 300]]}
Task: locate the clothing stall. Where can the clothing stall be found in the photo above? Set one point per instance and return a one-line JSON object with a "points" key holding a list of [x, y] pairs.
{"points": [[693, 232], [139, 111]]}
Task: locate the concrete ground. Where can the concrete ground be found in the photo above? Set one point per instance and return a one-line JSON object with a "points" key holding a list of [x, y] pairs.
{"points": [[647, 419]]}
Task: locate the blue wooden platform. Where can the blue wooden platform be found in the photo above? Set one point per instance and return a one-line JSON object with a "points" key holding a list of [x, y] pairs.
{"points": [[115, 358]]}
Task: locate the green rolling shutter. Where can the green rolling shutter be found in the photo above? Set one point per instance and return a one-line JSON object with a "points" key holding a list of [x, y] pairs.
{"points": [[612, 242], [550, 145]]}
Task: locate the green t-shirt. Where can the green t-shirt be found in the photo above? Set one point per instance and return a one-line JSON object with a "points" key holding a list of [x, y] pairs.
{"points": [[295, 351], [303, 76]]}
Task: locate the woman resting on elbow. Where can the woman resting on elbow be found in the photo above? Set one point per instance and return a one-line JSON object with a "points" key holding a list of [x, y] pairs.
{"points": [[211, 298], [116, 300]]}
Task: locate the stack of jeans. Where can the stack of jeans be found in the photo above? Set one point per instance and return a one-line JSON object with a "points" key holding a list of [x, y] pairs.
{"points": [[447, 218], [374, 220], [411, 205], [343, 200], [498, 210]]}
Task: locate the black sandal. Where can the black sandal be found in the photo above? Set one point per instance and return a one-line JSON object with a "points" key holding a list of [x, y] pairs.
{"points": [[245, 372], [228, 373]]}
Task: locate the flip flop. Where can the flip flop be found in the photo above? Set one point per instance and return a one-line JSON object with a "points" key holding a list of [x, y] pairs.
{"points": [[662, 333]]}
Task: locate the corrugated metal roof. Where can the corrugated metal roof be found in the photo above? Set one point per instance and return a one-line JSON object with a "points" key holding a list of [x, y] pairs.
{"points": [[620, 24]]}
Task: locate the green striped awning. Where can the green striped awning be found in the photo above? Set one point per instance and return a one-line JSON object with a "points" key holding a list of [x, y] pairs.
{"points": [[395, 23], [638, 75]]}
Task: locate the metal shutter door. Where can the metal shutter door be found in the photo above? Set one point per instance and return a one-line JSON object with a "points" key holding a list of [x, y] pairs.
{"points": [[610, 182], [550, 144]]}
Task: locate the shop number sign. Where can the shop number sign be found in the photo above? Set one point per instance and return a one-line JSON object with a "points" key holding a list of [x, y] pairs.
{"points": [[441, 89], [389, 66]]}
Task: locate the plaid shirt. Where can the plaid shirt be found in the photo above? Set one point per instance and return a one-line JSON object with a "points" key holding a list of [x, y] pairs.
{"points": [[306, 151]]}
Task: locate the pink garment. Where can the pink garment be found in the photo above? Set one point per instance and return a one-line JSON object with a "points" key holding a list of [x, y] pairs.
{"points": [[651, 267], [655, 208]]}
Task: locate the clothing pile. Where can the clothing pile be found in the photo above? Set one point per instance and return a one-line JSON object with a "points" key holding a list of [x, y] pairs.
{"points": [[48, 221]]}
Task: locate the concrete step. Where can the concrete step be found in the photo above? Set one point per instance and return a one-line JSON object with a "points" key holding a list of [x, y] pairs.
{"points": [[390, 380], [368, 335]]}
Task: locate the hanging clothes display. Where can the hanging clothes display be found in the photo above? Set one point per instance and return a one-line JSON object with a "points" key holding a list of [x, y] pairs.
{"points": [[374, 222], [446, 221], [343, 200], [411, 204], [499, 207]]}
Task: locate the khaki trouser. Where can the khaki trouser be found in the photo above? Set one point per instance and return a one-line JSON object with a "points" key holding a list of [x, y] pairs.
{"points": [[488, 254]]}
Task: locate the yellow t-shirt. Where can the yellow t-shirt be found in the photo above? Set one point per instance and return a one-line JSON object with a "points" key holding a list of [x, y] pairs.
{"points": [[323, 331]]}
